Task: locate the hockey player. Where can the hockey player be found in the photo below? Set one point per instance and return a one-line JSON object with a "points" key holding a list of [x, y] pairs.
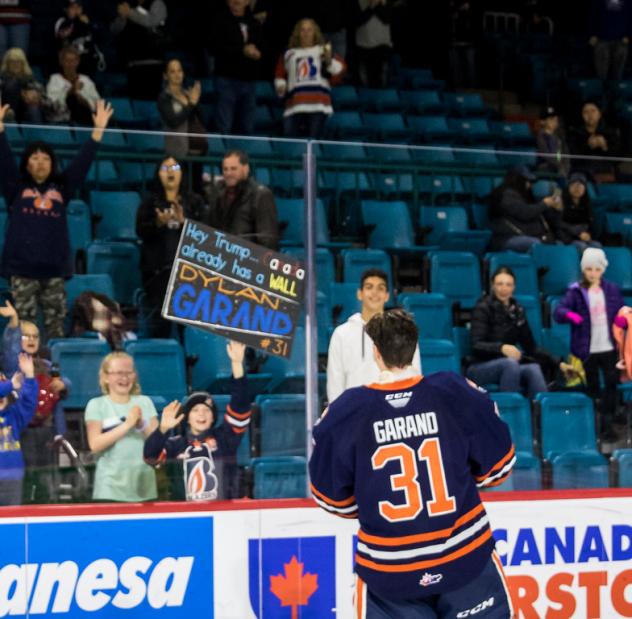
{"points": [[406, 456]]}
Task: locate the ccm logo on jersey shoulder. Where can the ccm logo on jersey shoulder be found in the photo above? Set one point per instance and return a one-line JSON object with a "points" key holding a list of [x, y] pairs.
{"points": [[400, 399]]}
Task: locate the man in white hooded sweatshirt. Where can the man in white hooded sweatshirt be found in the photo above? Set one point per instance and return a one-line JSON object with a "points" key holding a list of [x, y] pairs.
{"points": [[350, 361]]}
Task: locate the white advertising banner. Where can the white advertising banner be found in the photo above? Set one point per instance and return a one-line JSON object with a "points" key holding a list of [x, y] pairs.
{"points": [[564, 558]]}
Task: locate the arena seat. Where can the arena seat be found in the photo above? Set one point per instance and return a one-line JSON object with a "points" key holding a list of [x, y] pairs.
{"points": [[442, 188], [429, 129], [103, 173], [515, 410], [291, 217], [356, 261], [567, 421], [136, 174], [254, 148], [623, 460], [457, 275], [381, 99], [344, 152], [471, 130], [432, 312], [280, 477], [477, 157], [147, 142], [345, 98], [347, 125], [533, 311], [390, 227], [57, 136], [14, 134], [561, 265], [79, 224], [448, 228], [620, 223], [97, 282], [148, 111], [467, 105], [160, 368], [512, 133], [556, 338], [438, 153], [124, 112], [343, 299], [573, 470], [121, 261], [387, 127], [281, 425], [423, 102], [620, 267], [80, 359], [116, 213], [438, 356]]}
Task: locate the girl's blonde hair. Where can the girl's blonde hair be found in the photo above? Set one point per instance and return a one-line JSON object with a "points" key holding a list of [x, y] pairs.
{"points": [[15, 53], [105, 368], [295, 37]]}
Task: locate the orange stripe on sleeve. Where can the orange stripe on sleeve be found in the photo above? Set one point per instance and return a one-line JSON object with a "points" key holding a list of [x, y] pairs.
{"points": [[499, 465], [422, 537], [360, 598], [422, 565], [344, 503]]}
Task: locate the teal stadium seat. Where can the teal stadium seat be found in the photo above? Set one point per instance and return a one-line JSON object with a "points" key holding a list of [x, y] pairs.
{"points": [[575, 470], [282, 425], [116, 213], [515, 411], [439, 356], [623, 460], [119, 260], [160, 368], [457, 275], [280, 477], [561, 266], [80, 359], [567, 422], [448, 228], [432, 312]]}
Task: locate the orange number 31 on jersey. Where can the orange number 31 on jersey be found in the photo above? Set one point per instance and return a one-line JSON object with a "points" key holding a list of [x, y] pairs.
{"points": [[406, 480]]}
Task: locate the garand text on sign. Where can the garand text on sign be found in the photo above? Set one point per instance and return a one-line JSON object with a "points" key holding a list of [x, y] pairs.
{"points": [[224, 284]]}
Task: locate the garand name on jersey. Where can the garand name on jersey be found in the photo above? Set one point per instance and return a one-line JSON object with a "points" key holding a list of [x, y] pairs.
{"points": [[398, 428]]}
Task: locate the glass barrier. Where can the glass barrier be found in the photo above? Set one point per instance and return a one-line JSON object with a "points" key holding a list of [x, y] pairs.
{"points": [[438, 219]]}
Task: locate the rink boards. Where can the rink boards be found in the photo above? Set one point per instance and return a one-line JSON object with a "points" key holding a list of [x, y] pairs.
{"points": [[566, 554]]}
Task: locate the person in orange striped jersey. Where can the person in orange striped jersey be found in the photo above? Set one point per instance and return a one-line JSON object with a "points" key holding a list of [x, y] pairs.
{"points": [[406, 456]]}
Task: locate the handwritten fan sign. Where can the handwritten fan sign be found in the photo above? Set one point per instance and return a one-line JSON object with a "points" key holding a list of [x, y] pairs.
{"points": [[239, 290]]}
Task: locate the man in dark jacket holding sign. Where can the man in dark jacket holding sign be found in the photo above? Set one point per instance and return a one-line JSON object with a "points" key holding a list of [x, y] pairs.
{"points": [[240, 205]]}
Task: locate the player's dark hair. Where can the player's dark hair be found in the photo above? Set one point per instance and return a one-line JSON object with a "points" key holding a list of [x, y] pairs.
{"points": [[240, 154], [395, 335], [503, 271], [373, 273]]}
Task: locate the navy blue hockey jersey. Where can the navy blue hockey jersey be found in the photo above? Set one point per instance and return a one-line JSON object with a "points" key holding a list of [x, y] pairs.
{"points": [[406, 458]]}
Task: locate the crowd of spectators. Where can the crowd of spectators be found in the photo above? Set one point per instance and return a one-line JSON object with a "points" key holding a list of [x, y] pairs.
{"points": [[124, 429]]}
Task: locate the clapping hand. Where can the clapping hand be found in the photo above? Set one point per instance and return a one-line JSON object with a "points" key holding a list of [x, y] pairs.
{"points": [[170, 417], [25, 363], [3, 112], [134, 417]]}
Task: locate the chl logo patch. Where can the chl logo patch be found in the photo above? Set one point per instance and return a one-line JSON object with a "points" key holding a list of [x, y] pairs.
{"points": [[430, 579], [400, 399], [477, 609]]}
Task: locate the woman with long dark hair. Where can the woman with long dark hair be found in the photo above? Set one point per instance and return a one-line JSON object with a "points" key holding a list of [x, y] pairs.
{"points": [[504, 349], [158, 224]]}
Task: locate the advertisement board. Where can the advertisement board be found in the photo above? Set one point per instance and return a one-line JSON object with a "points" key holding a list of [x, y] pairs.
{"points": [[563, 557]]}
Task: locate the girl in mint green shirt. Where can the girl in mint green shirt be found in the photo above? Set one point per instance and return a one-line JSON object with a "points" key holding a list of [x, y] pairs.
{"points": [[117, 424]]}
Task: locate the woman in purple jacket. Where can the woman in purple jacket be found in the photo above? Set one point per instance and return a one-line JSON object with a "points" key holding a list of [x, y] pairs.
{"points": [[591, 306]]}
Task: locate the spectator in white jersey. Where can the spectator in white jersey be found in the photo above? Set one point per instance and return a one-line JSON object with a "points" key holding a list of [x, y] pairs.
{"points": [[350, 361]]}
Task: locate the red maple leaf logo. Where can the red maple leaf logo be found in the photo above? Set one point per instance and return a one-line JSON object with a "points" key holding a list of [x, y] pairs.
{"points": [[295, 588]]}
